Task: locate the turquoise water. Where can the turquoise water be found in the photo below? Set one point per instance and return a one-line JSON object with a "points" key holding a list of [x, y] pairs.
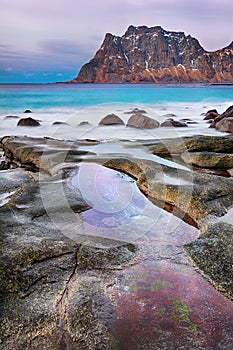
{"points": [[21, 97], [76, 103]]}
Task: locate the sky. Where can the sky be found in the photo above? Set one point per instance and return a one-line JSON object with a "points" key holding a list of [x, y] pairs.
{"points": [[44, 41]]}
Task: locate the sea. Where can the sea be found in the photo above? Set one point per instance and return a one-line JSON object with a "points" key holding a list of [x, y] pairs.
{"points": [[72, 104]]}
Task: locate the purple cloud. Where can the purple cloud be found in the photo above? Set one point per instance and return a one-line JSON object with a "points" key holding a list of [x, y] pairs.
{"points": [[68, 33]]}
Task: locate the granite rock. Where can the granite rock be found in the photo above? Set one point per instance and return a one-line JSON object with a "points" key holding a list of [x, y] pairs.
{"points": [[142, 122], [111, 119]]}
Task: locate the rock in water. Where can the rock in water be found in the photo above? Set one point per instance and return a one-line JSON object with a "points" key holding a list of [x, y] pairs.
{"points": [[28, 122], [227, 114], [225, 125], [142, 122], [156, 55], [211, 114], [111, 119], [173, 123], [11, 117]]}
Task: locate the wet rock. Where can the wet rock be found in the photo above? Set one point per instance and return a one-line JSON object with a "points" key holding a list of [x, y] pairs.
{"points": [[11, 117], [111, 119], [136, 110], [225, 125], [27, 111], [62, 288], [227, 114], [84, 123], [40, 153], [28, 122], [212, 253], [170, 147], [43, 249], [211, 114], [170, 116], [142, 122], [4, 165], [173, 123], [60, 123], [209, 159], [14, 179], [188, 195], [90, 313]]}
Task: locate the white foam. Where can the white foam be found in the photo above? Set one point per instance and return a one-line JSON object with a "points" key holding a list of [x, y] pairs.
{"points": [[94, 114]]}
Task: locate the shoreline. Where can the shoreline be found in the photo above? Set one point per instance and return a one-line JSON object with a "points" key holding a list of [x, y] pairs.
{"points": [[189, 112]]}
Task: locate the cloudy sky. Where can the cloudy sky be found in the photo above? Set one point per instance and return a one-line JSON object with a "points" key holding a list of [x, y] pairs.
{"points": [[49, 40]]}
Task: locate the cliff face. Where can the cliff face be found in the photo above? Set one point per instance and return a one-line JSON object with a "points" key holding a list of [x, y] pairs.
{"points": [[145, 54]]}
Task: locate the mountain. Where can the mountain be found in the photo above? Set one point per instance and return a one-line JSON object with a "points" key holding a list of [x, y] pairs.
{"points": [[156, 55]]}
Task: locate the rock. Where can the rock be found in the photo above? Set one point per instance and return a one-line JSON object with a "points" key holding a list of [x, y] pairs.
{"points": [[14, 179], [209, 159], [212, 253], [188, 195], [60, 123], [84, 123], [227, 114], [173, 123], [170, 147], [11, 117], [41, 153], [170, 116], [225, 125], [135, 111], [188, 121], [111, 119], [132, 58], [40, 260], [4, 165], [28, 122], [211, 114], [64, 288], [27, 111], [142, 122]]}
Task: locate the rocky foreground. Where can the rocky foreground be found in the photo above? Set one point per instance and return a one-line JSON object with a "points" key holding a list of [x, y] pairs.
{"points": [[116, 284]]}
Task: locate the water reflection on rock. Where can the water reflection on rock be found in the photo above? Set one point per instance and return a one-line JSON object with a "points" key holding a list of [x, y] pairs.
{"points": [[120, 211]]}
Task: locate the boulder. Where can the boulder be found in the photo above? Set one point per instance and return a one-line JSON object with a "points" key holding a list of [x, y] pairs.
{"points": [[173, 123], [142, 122], [11, 117], [28, 122], [60, 123], [211, 114], [227, 114], [136, 110], [169, 115], [111, 119], [84, 123], [27, 111], [225, 125]]}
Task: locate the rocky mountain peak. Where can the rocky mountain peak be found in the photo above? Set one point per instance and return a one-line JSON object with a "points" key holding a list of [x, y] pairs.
{"points": [[153, 54]]}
